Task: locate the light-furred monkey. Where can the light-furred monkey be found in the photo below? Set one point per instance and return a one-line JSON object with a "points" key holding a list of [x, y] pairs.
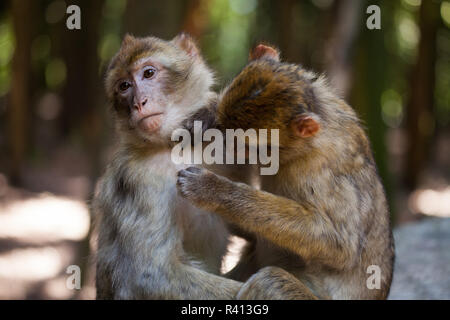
{"points": [[152, 243]]}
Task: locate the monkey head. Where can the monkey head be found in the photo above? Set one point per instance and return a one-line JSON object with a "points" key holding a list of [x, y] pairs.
{"points": [[154, 84], [269, 94]]}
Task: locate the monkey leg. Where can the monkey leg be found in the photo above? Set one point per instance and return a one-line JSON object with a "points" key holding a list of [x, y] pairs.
{"points": [[193, 283], [273, 283], [179, 281]]}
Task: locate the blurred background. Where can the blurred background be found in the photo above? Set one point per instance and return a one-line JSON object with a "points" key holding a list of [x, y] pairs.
{"points": [[56, 134]]}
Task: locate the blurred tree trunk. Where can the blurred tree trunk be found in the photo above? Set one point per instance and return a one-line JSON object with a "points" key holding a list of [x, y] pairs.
{"points": [[342, 25], [196, 18], [157, 18], [20, 109], [419, 118], [82, 113], [283, 13]]}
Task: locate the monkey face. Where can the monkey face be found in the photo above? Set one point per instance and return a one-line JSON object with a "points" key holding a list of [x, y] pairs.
{"points": [[142, 97], [153, 84]]}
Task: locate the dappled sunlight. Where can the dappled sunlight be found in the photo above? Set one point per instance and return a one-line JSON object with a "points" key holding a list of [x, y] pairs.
{"points": [[234, 253], [30, 264], [431, 202], [56, 288], [39, 237], [46, 217]]}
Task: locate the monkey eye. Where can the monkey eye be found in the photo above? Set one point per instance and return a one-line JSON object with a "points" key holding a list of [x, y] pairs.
{"points": [[124, 86], [150, 72]]}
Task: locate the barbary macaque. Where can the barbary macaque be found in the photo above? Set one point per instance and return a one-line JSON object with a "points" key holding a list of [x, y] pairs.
{"points": [[322, 221], [152, 243]]}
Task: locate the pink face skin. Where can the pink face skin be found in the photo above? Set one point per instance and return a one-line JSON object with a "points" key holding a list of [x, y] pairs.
{"points": [[142, 91]]}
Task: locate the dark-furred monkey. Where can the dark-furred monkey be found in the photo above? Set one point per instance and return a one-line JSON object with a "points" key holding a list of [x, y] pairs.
{"points": [[321, 223]]}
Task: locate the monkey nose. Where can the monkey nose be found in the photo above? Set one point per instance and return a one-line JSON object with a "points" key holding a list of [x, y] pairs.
{"points": [[138, 106]]}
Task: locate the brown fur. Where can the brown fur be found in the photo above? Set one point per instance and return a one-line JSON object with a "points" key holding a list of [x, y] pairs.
{"points": [[323, 217]]}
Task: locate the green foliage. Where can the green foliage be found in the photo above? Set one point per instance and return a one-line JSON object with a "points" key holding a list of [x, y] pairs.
{"points": [[110, 30], [55, 73], [6, 52], [228, 39]]}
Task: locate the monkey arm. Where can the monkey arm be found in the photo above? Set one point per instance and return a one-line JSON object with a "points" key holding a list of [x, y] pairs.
{"points": [[180, 281], [299, 227]]}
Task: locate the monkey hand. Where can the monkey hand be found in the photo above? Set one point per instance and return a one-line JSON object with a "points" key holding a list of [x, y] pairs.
{"points": [[200, 186], [205, 116]]}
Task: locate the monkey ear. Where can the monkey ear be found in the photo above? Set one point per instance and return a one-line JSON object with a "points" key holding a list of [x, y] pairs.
{"points": [[187, 43], [264, 51], [127, 40], [305, 126]]}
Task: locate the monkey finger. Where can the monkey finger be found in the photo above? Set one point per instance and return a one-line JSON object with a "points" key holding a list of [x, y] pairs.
{"points": [[184, 174], [181, 185], [180, 173], [190, 172], [195, 170]]}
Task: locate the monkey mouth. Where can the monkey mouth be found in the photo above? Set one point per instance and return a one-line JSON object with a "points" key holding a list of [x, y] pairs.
{"points": [[151, 122], [151, 115]]}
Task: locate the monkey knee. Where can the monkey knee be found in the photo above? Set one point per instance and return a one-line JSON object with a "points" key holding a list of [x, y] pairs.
{"points": [[267, 284], [271, 274], [252, 290], [273, 283]]}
